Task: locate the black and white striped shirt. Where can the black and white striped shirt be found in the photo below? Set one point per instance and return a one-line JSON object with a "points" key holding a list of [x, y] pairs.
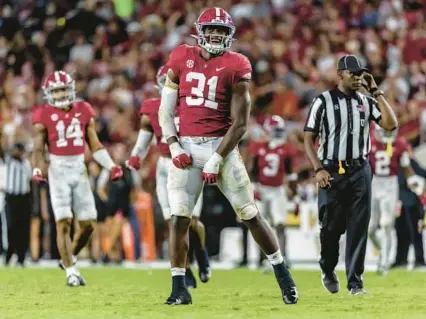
{"points": [[343, 124], [17, 176]]}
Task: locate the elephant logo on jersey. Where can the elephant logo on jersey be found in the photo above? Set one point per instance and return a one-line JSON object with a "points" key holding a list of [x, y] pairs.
{"points": [[54, 117], [190, 64]]}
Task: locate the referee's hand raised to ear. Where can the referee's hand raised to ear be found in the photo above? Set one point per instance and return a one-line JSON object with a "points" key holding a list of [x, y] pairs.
{"points": [[323, 178]]}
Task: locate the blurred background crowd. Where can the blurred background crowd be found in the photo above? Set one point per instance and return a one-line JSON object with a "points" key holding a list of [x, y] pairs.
{"points": [[113, 49]]}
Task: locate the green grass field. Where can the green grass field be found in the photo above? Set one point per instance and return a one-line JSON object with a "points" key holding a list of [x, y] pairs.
{"points": [[129, 293]]}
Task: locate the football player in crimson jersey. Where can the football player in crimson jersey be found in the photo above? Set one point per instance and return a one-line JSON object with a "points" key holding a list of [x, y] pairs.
{"points": [[389, 152], [64, 125], [212, 85], [150, 127], [272, 160]]}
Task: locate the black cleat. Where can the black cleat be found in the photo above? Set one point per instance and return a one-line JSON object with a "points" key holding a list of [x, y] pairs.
{"points": [[205, 274], [290, 295], [190, 281], [330, 282], [184, 298], [82, 281], [357, 291]]}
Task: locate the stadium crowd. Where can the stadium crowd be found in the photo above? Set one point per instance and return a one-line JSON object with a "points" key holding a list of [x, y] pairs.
{"points": [[113, 50]]}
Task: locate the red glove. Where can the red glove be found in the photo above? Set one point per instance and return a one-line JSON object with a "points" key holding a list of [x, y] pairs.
{"points": [[257, 195], [211, 169], [37, 176], [134, 162], [181, 158], [116, 173]]}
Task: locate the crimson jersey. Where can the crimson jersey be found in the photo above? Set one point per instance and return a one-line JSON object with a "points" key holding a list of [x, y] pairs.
{"points": [[150, 108], [205, 89], [66, 131], [271, 162], [384, 165]]}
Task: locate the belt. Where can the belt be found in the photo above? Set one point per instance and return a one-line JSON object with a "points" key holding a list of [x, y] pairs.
{"points": [[340, 165]]}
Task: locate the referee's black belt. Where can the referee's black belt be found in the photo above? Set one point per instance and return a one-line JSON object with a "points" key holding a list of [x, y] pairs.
{"points": [[345, 163]]}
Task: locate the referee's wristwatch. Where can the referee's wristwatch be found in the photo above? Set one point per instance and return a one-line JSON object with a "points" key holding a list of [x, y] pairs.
{"points": [[375, 92], [319, 170]]}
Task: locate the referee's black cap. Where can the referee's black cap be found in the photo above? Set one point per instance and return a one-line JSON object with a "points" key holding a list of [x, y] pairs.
{"points": [[350, 63]]}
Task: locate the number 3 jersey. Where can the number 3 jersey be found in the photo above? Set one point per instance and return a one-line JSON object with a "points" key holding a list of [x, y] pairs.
{"points": [[205, 89], [386, 158], [66, 130], [271, 164]]}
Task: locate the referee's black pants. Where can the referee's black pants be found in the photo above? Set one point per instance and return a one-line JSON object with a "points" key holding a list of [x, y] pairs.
{"points": [[346, 206], [18, 212]]}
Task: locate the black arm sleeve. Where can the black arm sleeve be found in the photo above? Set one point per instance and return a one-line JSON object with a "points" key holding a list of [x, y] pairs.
{"points": [[288, 165], [255, 169]]}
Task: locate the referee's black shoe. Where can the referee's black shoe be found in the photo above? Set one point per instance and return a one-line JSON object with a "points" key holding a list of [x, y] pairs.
{"points": [[330, 281], [183, 297], [290, 295]]}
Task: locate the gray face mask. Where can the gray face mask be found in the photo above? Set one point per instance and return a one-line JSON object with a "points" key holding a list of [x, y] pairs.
{"points": [[105, 13]]}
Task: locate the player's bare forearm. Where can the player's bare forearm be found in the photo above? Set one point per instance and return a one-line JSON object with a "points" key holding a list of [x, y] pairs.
{"points": [[388, 120], [92, 137], [240, 112], [309, 142], [172, 139], [39, 146]]}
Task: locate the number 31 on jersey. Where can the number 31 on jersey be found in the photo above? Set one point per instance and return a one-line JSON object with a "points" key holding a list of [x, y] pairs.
{"points": [[198, 90]]}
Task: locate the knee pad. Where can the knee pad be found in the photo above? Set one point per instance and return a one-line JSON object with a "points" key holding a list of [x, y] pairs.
{"points": [[247, 211]]}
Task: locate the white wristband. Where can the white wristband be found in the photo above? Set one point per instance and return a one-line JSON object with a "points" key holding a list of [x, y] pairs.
{"points": [[142, 143], [175, 149], [102, 157], [166, 113], [216, 158]]}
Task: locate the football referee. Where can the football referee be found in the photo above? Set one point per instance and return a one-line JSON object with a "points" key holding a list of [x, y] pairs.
{"points": [[340, 118], [18, 203]]}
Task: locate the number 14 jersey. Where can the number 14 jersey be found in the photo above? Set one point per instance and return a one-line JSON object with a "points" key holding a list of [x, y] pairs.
{"points": [[66, 131], [205, 89]]}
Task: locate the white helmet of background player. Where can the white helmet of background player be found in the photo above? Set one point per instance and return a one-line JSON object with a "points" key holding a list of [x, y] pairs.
{"points": [[161, 77], [59, 89], [274, 126], [385, 136], [215, 17]]}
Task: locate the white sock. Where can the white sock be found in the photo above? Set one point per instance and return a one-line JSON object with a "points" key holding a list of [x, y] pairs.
{"points": [[74, 259], [276, 258], [178, 271], [71, 271]]}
